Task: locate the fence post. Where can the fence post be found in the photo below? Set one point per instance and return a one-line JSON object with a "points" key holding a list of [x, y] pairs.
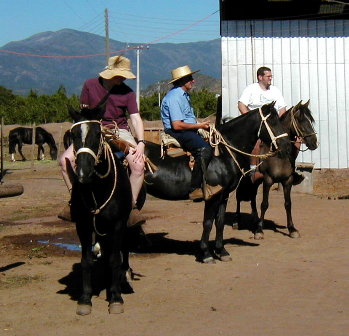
{"points": [[33, 145]]}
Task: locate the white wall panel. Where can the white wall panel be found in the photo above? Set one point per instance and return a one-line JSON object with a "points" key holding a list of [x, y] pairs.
{"points": [[310, 60]]}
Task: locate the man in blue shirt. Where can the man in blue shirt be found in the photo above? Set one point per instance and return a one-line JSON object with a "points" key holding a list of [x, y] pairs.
{"points": [[179, 121]]}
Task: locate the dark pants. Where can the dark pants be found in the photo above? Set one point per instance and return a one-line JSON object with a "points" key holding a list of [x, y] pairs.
{"points": [[192, 142]]}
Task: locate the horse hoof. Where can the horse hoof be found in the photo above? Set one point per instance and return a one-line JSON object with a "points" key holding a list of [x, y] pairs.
{"points": [[295, 234], [258, 236], [83, 309], [225, 258], [116, 308], [209, 260]]}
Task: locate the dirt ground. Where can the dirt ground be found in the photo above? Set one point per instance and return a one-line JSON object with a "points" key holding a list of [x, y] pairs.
{"points": [[276, 286]]}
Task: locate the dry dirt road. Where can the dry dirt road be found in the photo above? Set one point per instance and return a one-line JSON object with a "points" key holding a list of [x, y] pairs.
{"points": [[273, 287]]}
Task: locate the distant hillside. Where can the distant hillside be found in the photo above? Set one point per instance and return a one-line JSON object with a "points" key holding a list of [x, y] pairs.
{"points": [[45, 75]]}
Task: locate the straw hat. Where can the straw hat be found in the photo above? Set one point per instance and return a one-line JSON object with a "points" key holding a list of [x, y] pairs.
{"points": [[118, 66], [181, 72]]}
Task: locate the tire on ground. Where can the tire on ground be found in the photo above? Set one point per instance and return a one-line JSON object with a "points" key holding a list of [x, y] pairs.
{"points": [[10, 190]]}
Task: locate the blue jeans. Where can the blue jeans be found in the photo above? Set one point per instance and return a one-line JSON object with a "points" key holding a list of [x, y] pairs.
{"points": [[190, 140]]}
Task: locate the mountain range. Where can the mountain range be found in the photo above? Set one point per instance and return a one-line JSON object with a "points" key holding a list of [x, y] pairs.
{"points": [[69, 57]]}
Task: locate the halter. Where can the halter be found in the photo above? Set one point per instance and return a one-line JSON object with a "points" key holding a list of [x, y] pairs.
{"points": [[103, 146], [271, 134], [86, 149]]}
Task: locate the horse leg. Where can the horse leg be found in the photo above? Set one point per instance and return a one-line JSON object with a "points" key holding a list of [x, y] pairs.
{"points": [[115, 261], [220, 251], [211, 208], [84, 306], [20, 151], [237, 219], [293, 232], [267, 183]]}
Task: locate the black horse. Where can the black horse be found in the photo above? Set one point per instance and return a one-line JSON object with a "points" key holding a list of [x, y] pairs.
{"points": [[100, 206], [24, 135], [298, 123], [171, 177]]}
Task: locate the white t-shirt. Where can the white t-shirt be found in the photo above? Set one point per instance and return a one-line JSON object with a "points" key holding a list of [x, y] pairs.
{"points": [[254, 97]]}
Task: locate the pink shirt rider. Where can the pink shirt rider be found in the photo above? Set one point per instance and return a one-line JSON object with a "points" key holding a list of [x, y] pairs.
{"points": [[120, 100]]}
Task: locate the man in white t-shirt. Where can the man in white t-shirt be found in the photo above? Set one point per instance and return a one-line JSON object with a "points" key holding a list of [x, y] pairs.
{"points": [[256, 95]]}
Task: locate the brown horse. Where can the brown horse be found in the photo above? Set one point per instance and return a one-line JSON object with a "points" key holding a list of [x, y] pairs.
{"points": [[298, 122]]}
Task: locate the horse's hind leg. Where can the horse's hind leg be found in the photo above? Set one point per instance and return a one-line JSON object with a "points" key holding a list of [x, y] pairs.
{"points": [[267, 183], [220, 250], [293, 232], [115, 300], [20, 151], [210, 212]]}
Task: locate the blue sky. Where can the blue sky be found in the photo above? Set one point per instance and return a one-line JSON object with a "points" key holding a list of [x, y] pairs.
{"points": [[132, 21]]}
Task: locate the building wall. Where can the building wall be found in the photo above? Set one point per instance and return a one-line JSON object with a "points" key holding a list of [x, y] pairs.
{"points": [[309, 60]]}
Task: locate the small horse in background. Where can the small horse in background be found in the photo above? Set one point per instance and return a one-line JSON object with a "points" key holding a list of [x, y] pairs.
{"points": [[298, 123], [100, 205], [24, 135]]}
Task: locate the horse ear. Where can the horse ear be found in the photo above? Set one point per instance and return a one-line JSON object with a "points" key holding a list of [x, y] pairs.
{"points": [[73, 113], [296, 108], [307, 103]]}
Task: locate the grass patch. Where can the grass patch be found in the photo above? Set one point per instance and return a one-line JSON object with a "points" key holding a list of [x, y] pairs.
{"points": [[17, 281]]}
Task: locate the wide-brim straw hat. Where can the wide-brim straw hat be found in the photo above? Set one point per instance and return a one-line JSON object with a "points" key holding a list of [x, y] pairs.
{"points": [[181, 72], [118, 66]]}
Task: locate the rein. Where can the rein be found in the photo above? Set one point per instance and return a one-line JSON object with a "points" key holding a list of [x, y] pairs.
{"points": [[216, 138]]}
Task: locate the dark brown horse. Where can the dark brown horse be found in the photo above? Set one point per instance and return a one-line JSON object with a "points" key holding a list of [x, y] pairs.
{"points": [[298, 123], [24, 135]]}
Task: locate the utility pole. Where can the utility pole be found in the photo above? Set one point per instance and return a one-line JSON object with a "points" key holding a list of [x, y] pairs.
{"points": [[138, 49], [107, 49]]}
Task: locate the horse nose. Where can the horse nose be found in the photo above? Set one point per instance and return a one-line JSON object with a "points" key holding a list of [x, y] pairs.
{"points": [[83, 177]]}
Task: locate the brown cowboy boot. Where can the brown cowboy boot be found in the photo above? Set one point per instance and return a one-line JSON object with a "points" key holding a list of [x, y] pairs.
{"points": [[65, 214], [196, 195], [210, 191], [135, 218], [297, 178]]}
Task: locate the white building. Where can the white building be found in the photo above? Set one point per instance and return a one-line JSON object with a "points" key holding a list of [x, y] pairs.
{"points": [[306, 44]]}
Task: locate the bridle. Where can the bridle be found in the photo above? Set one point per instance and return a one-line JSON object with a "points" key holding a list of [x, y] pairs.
{"points": [[298, 130], [299, 133], [108, 153], [216, 138], [270, 132]]}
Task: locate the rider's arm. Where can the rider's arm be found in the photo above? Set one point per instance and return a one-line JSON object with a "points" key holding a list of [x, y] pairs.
{"points": [[242, 107], [180, 125]]}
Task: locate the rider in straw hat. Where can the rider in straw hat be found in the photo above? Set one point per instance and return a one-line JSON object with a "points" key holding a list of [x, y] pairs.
{"points": [[179, 121], [120, 98]]}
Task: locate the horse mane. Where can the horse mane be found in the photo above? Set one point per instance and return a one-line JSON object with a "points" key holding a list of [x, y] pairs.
{"points": [[304, 110]]}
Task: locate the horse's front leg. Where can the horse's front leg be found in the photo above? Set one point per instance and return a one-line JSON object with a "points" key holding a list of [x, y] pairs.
{"points": [[211, 208], [116, 303], [84, 306], [293, 232], [220, 251], [41, 153], [267, 183]]}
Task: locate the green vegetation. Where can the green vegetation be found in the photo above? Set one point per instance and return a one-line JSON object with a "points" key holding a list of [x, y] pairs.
{"points": [[43, 109]]}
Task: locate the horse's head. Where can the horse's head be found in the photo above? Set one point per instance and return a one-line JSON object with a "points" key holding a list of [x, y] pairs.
{"points": [[302, 124], [271, 130], [53, 152], [87, 139]]}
